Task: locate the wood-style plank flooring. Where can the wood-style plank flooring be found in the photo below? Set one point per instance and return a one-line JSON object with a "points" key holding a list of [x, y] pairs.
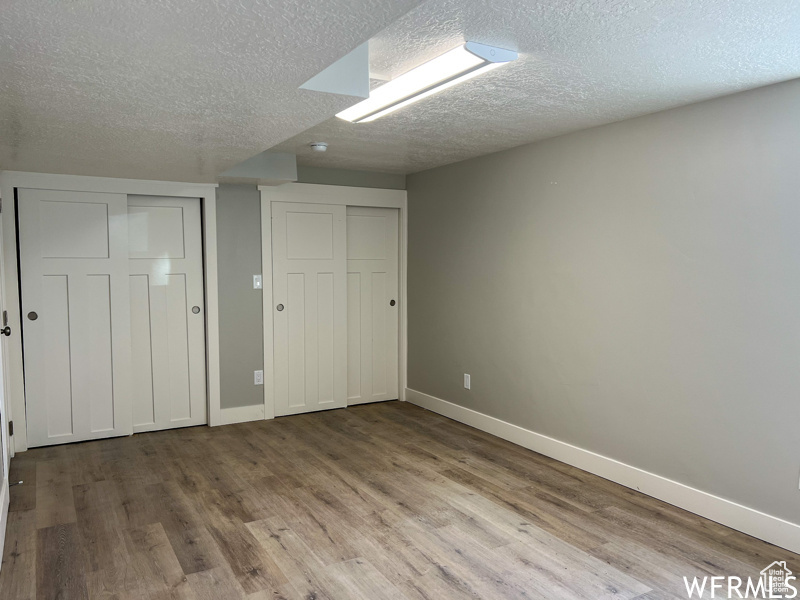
{"points": [[376, 501]]}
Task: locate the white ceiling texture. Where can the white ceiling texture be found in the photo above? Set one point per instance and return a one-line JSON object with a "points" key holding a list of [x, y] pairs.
{"points": [[582, 63], [168, 89], [183, 89]]}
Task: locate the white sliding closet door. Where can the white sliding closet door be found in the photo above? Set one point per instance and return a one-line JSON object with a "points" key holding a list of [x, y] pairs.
{"points": [[167, 312], [309, 250], [75, 314], [372, 311]]}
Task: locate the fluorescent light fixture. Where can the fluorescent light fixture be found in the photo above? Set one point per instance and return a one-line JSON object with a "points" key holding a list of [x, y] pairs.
{"points": [[453, 67]]}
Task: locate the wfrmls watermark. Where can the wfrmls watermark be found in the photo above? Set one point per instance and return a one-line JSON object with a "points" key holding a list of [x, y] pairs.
{"points": [[776, 581]]}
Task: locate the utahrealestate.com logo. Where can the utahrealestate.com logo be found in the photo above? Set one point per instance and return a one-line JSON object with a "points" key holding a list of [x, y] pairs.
{"points": [[776, 581]]}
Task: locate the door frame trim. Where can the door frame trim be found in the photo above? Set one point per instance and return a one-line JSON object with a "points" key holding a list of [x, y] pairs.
{"points": [[11, 180], [312, 193]]}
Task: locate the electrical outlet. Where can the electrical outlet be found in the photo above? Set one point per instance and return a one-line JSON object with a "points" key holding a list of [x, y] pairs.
{"points": [[466, 381], [258, 377], [258, 283]]}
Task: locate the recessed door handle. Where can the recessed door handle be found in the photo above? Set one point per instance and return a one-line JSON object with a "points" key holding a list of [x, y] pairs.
{"points": [[6, 330], [279, 307], [196, 309], [33, 316], [392, 303]]}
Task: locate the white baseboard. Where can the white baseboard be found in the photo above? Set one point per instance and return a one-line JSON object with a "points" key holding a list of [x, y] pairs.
{"points": [[241, 414], [752, 522]]}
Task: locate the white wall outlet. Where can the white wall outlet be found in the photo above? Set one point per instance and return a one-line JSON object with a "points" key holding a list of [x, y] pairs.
{"points": [[258, 377], [258, 283], [466, 380]]}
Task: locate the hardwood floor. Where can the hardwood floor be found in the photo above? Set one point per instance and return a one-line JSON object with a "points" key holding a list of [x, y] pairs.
{"points": [[376, 501]]}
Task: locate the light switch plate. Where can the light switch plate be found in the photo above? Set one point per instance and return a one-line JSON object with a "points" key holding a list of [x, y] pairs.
{"points": [[466, 380], [258, 283], [258, 377]]}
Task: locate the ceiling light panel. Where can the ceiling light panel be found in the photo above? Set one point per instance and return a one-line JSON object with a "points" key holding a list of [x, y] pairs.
{"points": [[451, 68]]}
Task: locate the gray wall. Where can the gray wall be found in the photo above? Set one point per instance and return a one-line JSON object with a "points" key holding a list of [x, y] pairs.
{"points": [[240, 317], [367, 179], [632, 289]]}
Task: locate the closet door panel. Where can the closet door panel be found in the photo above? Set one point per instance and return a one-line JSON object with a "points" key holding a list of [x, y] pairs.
{"points": [[167, 305], [76, 315], [309, 270], [373, 312]]}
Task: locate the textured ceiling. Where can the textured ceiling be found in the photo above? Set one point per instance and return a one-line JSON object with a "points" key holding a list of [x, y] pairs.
{"points": [[182, 89], [583, 63], [168, 89]]}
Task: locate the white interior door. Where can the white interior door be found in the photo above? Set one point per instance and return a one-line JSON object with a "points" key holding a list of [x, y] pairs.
{"points": [[309, 247], [372, 311], [168, 348], [76, 315], [5, 446]]}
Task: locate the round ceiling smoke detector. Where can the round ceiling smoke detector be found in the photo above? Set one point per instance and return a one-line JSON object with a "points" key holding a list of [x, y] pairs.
{"points": [[319, 146]]}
